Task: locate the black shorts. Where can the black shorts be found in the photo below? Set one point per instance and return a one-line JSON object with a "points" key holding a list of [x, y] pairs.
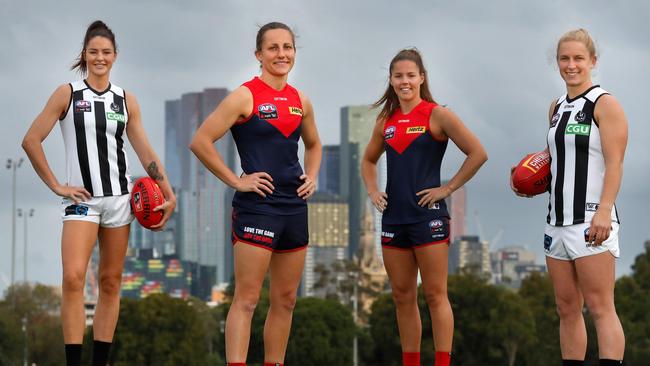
{"points": [[416, 235], [277, 233]]}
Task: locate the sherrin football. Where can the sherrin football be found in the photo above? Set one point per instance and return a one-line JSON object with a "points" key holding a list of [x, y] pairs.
{"points": [[532, 175], [145, 196]]}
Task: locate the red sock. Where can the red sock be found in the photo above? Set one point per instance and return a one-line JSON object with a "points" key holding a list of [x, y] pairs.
{"points": [[236, 363], [443, 359], [273, 364], [410, 358]]}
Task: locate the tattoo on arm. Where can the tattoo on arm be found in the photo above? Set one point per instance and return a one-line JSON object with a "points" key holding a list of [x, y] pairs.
{"points": [[153, 171]]}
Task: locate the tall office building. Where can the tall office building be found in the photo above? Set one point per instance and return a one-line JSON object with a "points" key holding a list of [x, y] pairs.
{"points": [[457, 207], [511, 265], [202, 226], [328, 175], [469, 252], [357, 124], [328, 239]]}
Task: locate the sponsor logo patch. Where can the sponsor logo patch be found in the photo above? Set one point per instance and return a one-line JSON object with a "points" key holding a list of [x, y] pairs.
{"points": [[116, 117], [437, 228], [268, 111], [81, 106], [295, 110], [590, 206], [580, 116], [555, 119], [403, 120], [587, 236], [78, 210], [279, 98], [389, 133], [435, 206], [547, 243], [577, 129], [416, 129], [568, 106]]}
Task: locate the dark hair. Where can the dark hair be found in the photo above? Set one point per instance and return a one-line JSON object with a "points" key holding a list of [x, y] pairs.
{"points": [[95, 29], [270, 26], [389, 100]]}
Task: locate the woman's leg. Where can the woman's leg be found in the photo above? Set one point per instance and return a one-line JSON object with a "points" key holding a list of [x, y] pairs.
{"points": [[77, 242], [286, 272], [402, 270], [569, 302], [251, 264], [596, 278]]}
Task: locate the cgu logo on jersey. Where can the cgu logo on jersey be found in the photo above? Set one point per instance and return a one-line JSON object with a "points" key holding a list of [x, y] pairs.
{"points": [[295, 110], [577, 129], [81, 106], [268, 111], [119, 117], [416, 129], [389, 133]]}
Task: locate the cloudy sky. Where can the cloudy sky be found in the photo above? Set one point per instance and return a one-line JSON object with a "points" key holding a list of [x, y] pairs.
{"points": [[491, 62]]}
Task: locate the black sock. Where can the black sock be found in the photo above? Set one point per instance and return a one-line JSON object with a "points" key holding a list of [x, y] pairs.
{"points": [[73, 354], [573, 362], [608, 362], [100, 353]]}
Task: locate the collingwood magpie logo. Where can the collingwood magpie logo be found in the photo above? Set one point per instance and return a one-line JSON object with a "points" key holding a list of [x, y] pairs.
{"points": [[115, 108], [580, 116]]}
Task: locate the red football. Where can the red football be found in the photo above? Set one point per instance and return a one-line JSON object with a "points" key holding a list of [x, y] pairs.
{"points": [[145, 196], [532, 175]]}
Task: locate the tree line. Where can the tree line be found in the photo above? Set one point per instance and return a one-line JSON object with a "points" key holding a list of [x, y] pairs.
{"points": [[493, 326]]}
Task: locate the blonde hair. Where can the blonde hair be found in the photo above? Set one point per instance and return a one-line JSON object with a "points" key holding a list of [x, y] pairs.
{"points": [[580, 35]]}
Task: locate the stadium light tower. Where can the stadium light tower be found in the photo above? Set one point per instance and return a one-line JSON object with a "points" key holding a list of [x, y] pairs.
{"points": [[13, 165]]}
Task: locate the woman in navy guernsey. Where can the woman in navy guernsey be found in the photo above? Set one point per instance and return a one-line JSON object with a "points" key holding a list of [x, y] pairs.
{"points": [[413, 131], [267, 117], [586, 139], [93, 115]]}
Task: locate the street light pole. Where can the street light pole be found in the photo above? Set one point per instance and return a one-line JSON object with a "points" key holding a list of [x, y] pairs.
{"points": [[13, 165], [27, 214]]}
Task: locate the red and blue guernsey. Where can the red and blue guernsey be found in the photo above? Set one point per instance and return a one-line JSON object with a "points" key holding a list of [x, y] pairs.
{"points": [[413, 157], [267, 141]]}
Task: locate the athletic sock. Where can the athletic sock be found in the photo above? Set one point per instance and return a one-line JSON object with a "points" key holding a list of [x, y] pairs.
{"points": [[573, 362], [100, 353], [410, 358], [443, 359], [608, 362], [73, 355], [235, 363], [273, 364]]}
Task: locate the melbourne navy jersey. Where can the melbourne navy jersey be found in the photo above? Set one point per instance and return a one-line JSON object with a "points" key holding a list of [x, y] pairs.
{"points": [[267, 141], [93, 135], [413, 157], [577, 161]]}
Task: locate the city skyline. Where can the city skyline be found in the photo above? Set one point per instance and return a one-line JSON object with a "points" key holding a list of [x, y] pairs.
{"points": [[506, 94]]}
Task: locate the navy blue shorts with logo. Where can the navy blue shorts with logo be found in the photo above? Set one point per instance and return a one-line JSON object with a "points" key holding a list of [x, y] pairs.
{"points": [[415, 235], [278, 233]]}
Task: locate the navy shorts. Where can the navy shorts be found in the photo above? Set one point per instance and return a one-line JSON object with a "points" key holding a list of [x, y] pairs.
{"points": [[416, 235], [277, 233]]}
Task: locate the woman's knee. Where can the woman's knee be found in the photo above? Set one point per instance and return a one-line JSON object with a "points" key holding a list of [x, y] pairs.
{"points": [[436, 297], [73, 281], [245, 301], [285, 300], [404, 295], [110, 284], [568, 306], [600, 305]]}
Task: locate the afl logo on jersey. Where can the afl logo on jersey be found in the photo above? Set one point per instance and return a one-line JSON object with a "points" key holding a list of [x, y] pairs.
{"points": [[389, 133], [581, 116], [82, 106], [555, 119], [268, 111]]}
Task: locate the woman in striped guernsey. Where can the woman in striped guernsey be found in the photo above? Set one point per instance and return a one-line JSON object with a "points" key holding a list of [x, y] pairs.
{"points": [[586, 139], [93, 115]]}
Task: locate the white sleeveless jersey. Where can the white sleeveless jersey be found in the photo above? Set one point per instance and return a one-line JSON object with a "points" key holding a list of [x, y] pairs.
{"points": [[577, 162], [93, 130]]}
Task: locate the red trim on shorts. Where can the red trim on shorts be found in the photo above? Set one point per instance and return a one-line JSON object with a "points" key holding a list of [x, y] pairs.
{"points": [[249, 243], [392, 247], [431, 243], [290, 250]]}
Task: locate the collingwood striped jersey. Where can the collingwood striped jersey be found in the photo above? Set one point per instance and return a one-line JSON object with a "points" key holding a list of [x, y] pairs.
{"points": [[93, 129], [577, 161]]}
